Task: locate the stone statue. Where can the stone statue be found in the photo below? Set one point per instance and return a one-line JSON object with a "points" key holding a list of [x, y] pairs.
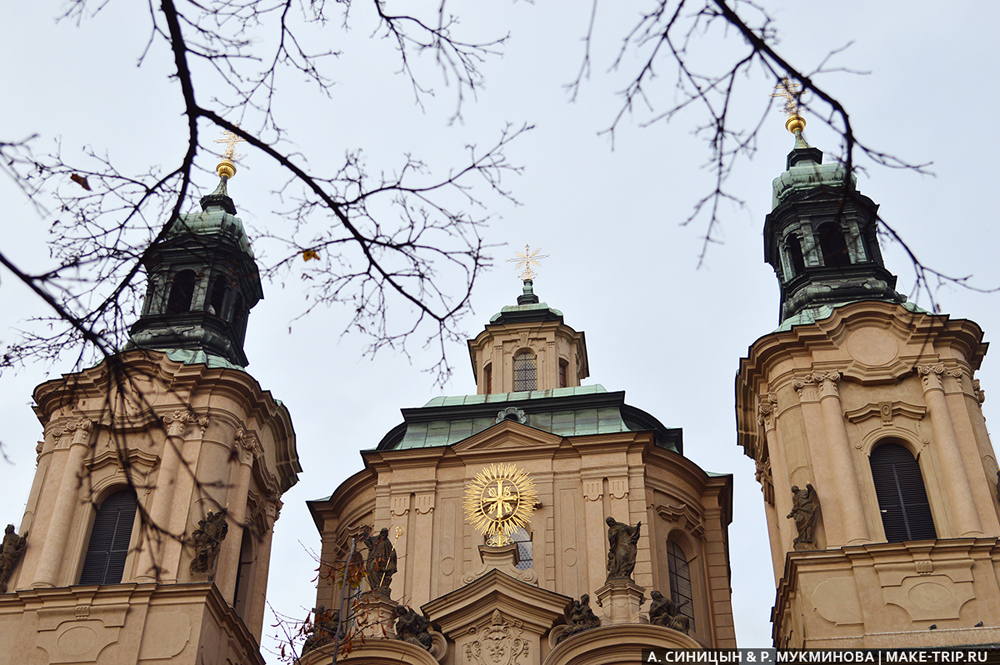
{"points": [[10, 553], [323, 629], [207, 539], [380, 565], [413, 627], [579, 617], [805, 512], [665, 612], [621, 548]]}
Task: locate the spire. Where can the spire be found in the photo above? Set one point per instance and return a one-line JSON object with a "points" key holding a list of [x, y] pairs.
{"points": [[202, 281], [820, 235]]}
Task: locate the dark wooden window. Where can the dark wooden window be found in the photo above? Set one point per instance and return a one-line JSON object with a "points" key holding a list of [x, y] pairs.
{"points": [[563, 373], [488, 378], [217, 298], [525, 371], [833, 245], [902, 499], [109, 538], [795, 258], [181, 292], [681, 591]]}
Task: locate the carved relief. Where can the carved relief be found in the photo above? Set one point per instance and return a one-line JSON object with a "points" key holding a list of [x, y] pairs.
{"points": [[424, 503], [978, 391], [930, 376], [498, 643], [618, 488], [512, 413], [683, 515], [886, 411], [177, 421], [766, 410], [247, 445], [207, 540], [593, 489], [399, 505]]}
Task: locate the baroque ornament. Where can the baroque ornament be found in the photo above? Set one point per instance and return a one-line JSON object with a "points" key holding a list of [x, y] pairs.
{"points": [[499, 501], [499, 643]]}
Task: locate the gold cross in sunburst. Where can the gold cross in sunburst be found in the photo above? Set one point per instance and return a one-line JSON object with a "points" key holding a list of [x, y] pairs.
{"points": [[790, 92], [527, 260], [230, 139]]}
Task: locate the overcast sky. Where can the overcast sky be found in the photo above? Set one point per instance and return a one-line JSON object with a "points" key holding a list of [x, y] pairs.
{"points": [[621, 268]]}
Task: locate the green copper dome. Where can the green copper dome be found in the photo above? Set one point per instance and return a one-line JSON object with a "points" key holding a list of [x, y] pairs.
{"points": [[806, 171]]}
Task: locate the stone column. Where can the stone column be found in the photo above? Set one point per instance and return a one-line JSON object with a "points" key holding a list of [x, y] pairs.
{"points": [[245, 446], [54, 545], [842, 471], [161, 506], [951, 468]]}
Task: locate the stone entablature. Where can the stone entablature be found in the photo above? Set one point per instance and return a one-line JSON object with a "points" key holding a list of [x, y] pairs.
{"points": [[888, 595], [196, 440], [418, 495]]}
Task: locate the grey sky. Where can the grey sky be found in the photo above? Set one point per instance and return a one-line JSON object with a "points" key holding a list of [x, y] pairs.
{"points": [[621, 267]]}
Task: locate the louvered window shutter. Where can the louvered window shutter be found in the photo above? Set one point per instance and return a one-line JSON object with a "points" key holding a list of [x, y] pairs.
{"points": [[109, 538], [902, 498]]}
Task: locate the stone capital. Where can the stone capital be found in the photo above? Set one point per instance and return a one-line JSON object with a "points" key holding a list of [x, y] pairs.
{"points": [[930, 376], [246, 445], [767, 407], [80, 431], [178, 420]]}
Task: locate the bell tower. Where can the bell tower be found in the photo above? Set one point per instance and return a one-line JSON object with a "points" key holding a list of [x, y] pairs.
{"points": [[863, 416], [147, 532]]}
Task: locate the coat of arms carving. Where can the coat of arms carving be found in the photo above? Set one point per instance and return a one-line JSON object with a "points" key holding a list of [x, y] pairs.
{"points": [[499, 643]]}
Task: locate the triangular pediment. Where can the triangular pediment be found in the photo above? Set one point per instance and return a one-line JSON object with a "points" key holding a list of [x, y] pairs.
{"points": [[476, 602], [508, 434]]}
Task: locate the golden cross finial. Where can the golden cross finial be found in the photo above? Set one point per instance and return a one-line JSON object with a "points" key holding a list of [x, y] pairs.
{"points": [[791, 92], [230, 139], [527, 260]]}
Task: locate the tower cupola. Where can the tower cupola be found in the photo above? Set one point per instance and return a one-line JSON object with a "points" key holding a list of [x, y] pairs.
{"points": [[526, 347], [202, 283], [820, 236]]}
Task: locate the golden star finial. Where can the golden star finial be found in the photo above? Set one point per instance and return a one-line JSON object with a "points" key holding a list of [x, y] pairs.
{"points": [[226, 168], [791, 92], [527, 260]]}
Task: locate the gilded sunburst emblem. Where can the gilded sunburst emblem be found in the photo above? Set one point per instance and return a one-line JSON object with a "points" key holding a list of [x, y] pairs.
{"points": [[499, 501]]}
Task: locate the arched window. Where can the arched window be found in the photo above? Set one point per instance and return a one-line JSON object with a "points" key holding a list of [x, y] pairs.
{"points": [[833, 246], [239, 318], [525, 553], [488, 378], [181, 292], [902, 499], [525, 371], [109, 538], [217, 297], [794, 247], [244, 573], [563, 373], [679, 573]]}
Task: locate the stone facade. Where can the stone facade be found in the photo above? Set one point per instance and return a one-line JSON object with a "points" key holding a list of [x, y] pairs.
{"points": [[591, 457], [190, 440], [812, 403]]}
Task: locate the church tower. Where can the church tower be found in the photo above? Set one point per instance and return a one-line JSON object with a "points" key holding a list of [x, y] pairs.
{"points": [[147, 532], [863, 415], [504, 525]]}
